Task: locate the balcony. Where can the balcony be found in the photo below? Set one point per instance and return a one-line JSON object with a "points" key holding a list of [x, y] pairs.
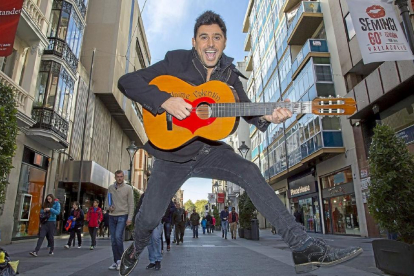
{"points": [[32, 27], [290, 4], [305, 23], [50, 128], [81, 7], [249, 66], [247, 42], [23, 101], [312, 48], [59, 48]]}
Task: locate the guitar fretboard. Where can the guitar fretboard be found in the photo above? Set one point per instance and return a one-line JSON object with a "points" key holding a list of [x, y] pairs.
{"points": [[257, 109]]}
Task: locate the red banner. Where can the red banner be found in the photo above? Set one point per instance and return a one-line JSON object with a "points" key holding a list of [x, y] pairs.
{"points": [[221, 197], [9, 19]]}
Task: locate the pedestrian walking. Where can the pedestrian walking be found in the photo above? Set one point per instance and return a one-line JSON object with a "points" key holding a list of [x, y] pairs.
{"points": [[77, 219], [179, 219], [48, 213], [233, 220], [94, 218], [121, 212], [105, 223], [195, 222], [200, 157], [213, 219], [167, 220], [209, 219], [204, 225], [224, 216]]}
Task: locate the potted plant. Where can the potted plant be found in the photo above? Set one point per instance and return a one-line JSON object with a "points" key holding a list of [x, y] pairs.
{"points": [[247, 210], [391, 202], [216, 215]]}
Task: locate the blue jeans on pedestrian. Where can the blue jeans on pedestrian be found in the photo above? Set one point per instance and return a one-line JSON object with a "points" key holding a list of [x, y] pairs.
{"points": [[213, 163], [154, 246], [204, 230], [195, 231], [224, 227], [116, 228]]}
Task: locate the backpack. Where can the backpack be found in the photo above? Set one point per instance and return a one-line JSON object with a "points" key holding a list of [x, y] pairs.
{"points": [[44, 217]]}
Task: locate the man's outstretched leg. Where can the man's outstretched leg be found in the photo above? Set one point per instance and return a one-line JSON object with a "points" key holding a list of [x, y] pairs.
{"points": [[308, 253], [165, 180]]}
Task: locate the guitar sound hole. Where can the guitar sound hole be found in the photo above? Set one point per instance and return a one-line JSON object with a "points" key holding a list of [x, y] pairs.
{"points": [[203, 111]]}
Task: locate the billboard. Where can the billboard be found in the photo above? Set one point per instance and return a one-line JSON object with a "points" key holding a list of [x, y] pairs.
{"points": [[379, 32], [9, 19]]}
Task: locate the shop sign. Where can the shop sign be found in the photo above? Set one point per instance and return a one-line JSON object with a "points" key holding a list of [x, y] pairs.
{"points": [[406, 134], [379, 32], [339, 190], [9, 19], [365, 183], [302, 186]]}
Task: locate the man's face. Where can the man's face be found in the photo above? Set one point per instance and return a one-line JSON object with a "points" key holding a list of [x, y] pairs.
{"points": [[119, 178], [209, 44]]}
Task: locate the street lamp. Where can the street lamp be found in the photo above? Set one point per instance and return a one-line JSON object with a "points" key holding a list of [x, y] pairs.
{"points": [[405, 14], [132, 150], [216, 185], [243, 150]]}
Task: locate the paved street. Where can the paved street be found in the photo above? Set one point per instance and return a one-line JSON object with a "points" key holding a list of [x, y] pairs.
{"points": [[208, 255]]}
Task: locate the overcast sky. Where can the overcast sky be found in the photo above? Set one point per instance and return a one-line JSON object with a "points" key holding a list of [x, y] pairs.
{"points": [[169, 25]]}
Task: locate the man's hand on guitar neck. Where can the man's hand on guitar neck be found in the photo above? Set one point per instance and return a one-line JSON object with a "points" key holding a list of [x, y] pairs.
{"points": [[279, 115], [177, 107]]}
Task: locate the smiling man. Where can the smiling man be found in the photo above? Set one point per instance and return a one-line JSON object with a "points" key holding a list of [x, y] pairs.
{"points": [[211, 159]]}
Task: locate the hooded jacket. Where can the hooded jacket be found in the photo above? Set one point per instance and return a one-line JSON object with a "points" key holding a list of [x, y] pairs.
{"points": [[186, 65]]}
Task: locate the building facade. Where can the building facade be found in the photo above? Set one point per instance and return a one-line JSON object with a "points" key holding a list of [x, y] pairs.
{"points": [[49, 71], [382, 91], [310, 161]]}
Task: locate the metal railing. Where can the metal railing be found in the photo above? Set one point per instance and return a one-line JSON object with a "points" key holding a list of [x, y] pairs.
{"points": [[59, 48], [48, 119], [308, 7], [81, 6]]}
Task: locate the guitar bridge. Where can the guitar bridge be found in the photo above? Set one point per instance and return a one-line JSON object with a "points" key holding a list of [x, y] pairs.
{"points": [[169, 122]]}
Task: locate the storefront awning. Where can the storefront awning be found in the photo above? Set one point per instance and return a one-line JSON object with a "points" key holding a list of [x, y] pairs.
{"points": [[92, 172]]}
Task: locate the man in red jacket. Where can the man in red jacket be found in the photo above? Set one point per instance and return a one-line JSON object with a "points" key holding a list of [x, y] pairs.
{"points": [[233, 220], [94, 218]]}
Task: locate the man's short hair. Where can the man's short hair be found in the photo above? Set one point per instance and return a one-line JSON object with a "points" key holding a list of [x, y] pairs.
{"points": [[225, 207], [96, 200], [210, 18], [119, 172]]}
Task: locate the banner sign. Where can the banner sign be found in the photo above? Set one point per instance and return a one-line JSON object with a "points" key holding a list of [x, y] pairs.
{"points": [[221, 197], [9, 19], [211, 198], [379, 32]]}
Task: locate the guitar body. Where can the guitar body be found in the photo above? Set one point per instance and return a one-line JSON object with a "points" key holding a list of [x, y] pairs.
{"points": [[175, 133]]}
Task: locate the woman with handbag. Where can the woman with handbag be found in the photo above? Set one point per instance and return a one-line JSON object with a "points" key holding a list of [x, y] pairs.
{"points": [[50, 210]]}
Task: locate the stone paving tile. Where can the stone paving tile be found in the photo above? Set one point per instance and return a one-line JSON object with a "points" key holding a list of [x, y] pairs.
{"points": [[208, 255]]}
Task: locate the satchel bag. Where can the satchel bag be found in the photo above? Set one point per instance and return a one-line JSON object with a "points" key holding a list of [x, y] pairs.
{"points": [[44, 217]]}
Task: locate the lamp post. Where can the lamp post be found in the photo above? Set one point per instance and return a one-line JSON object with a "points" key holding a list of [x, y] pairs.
{"points": [[405, 14], [244, 149], [132, 150], [216, 189]]}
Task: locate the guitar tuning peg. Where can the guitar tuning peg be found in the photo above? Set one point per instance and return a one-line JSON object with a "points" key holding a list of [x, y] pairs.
{"points": [[330, 96]]}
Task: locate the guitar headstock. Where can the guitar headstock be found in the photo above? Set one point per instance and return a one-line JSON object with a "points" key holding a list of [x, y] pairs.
{"points": [[333, 106]]}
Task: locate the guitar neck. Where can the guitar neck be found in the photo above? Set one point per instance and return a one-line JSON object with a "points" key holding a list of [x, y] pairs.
{"points": [[257, 109]]}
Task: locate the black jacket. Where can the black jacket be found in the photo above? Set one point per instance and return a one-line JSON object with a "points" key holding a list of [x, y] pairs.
{"points": [[185, 65], [79, 218], [179, 216]]}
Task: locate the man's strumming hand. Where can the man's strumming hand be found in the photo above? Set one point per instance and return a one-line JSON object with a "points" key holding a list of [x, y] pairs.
{"points": [[177, 107]]}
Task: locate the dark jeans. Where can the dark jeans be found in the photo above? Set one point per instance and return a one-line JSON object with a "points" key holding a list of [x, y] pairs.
{"points": [[47, 229], [93, 231], [116, 227], [78, 231], [213, 163], [195, 230], [167, 232], [179, 231], [212, 228]]}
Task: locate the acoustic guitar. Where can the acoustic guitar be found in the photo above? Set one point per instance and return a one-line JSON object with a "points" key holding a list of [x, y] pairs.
{"points": [[216, 112]]}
